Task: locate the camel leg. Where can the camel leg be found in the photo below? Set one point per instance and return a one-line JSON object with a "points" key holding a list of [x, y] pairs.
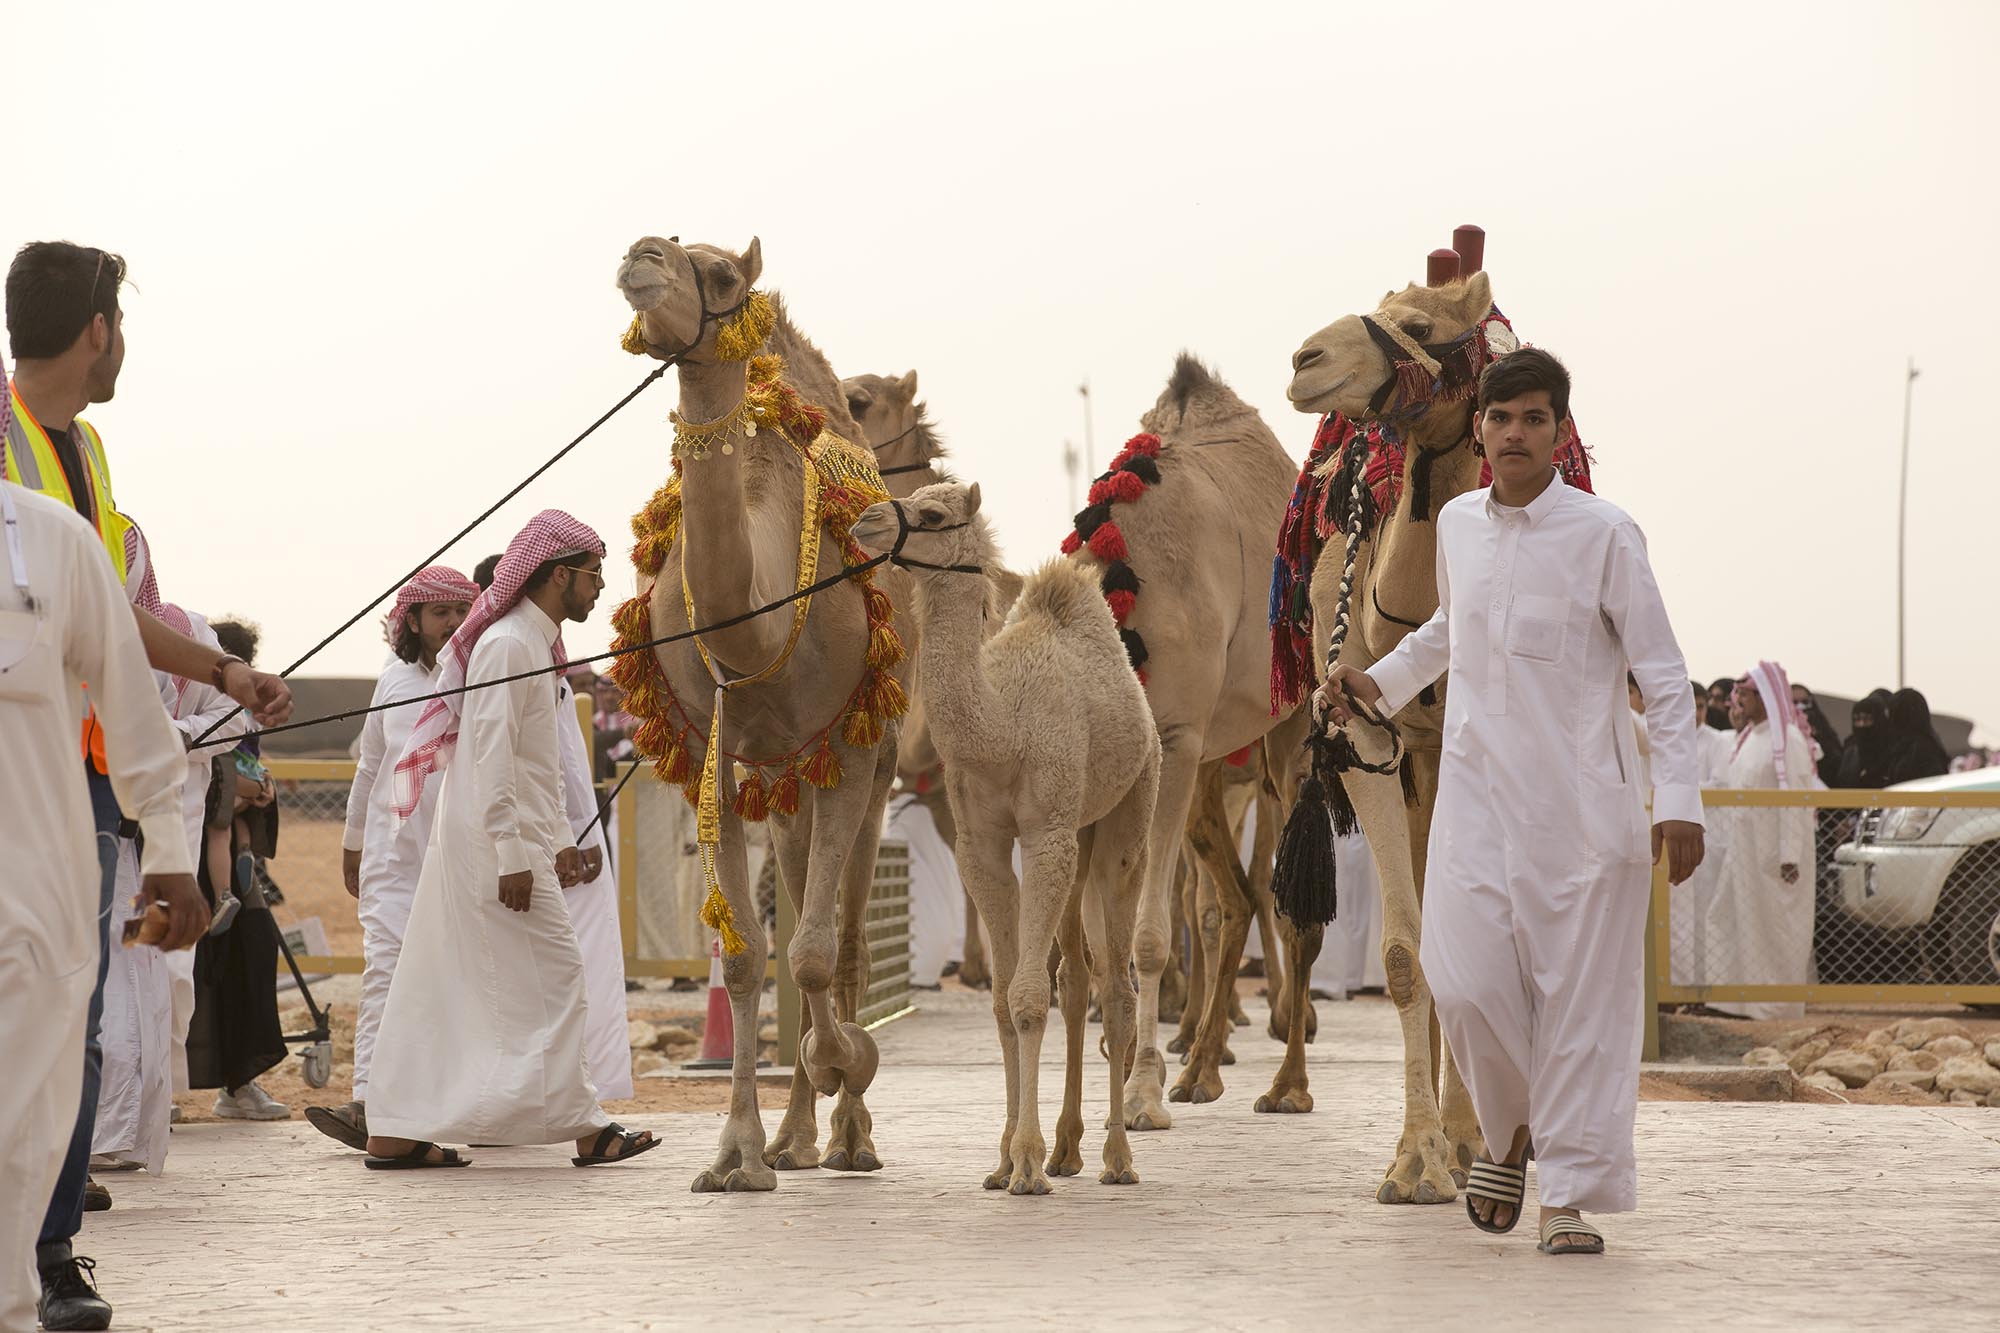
{"points": [[849, 1143], [1274, 961], [1048, 863], [1111, 910], [835, 1054], [1066, 1158], [1288, 1089], [986, 865], [739, 1162], [795, 1147], [1180, 761], [1277, 946], [1208, 940], [1202, 921], [1208, 831], [1421, 1172], [1179, 972]]}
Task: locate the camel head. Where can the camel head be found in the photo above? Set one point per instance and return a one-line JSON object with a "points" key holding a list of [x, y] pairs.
{"points": [[1344, 366], [686, 295], [886, 409], [940, 525]]}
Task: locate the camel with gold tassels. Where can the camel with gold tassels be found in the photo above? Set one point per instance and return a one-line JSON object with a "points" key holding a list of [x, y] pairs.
{"points": [[790, 715], [1396, 388]]}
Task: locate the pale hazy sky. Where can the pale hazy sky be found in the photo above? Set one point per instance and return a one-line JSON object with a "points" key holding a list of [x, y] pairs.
{"points": [[374, 248]]}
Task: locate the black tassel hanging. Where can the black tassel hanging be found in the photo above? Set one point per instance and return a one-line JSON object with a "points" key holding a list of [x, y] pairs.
{"points": [[1135, 648], [1090, 519], [1118, 577], [1142, 467], [1302, 885], [1409, 783]]}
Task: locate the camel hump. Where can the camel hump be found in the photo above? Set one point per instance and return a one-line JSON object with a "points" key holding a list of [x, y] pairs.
{"points": [[1066, 593]]}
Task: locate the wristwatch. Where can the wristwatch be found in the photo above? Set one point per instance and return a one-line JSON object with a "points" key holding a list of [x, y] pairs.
{"points": [[222, 667]]}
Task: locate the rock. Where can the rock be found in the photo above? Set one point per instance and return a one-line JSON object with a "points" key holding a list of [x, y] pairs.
{"points": [[1883, 1053], [648, 1062], [1824, 1081], [1960, 1097], [671, 1037], [1800, 1057], [1797, 1037], [1950, 1046], [1993, 1052], [1915, 1033], [1880, 1037], [641, 1035], [1854, 1068], [1903, 1059], [1766, 1057], [1968, 1073], [1925, 1079], [1993, 1099]]}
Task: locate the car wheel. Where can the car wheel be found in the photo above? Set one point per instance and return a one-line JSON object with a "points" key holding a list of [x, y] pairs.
{"points": [[1968, 921]]}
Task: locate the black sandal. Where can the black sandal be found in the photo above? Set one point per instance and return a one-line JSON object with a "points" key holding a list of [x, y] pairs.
{"points": [[629, 1146], [1500, 1184], [1557, 1227], [344, 1124], [418, 1159]]}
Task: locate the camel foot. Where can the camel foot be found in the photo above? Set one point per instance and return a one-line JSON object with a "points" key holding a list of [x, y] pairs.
{"points": [[1026, 1182], [793, 1148], [997, 1180], [1228, 1057], [848, 1145], [1420, 1174], [1298, 1102], [741, 1180], [975, 974], [1200, 1083], [1179, 1045], [1066, 1158], [1125, 1176]]}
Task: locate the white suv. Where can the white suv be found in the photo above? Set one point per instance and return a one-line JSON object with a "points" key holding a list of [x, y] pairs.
{"points": [[1936, 869]]}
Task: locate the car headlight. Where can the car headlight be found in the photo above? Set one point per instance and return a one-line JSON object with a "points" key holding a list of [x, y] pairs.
{"points": [[1908, 823]]}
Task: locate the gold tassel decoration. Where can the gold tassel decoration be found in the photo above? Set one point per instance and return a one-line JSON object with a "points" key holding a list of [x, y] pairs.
{"points": [[634, 340], [823, 769], [750, 798], [715, 913], [885, 647], [740, 338], [886, 698], [785, 792], [862, 730]]}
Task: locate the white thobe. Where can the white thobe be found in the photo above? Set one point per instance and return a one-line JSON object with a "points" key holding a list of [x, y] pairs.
{"points": [[1690, 957], [593, 914], [1535, 895], [392, 852], [78, 627], [1760, 927], [937, 895], [1350, 957], [136, 1032], [482, 1039]]}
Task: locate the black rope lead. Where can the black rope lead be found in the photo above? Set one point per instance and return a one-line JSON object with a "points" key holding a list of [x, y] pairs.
{"points": [[460, 535]]}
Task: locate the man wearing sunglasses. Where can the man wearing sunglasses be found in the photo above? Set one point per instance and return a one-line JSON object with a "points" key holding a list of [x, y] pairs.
{"points": [[66, 331]]}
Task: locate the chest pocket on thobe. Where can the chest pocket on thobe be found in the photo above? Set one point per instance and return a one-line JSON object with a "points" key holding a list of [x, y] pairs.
{"points": [[30, 673], [1538, 628]]}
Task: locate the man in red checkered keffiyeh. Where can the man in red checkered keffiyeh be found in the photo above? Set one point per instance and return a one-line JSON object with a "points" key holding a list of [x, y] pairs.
{"points": [[435, 583], [550, 535]]}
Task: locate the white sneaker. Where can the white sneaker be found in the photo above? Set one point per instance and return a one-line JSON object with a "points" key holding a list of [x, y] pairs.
{"points": [[250, 1102]]}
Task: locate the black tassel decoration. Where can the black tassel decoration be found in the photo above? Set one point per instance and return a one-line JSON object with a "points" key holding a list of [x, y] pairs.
{"points": [[1135, 648], [1118, 577], [1142, 467], [1091, 519], [1302, 883], [1409, 783]]}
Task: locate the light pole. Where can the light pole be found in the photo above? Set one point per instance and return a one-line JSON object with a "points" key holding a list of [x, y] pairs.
{"points": [[1903, 517], [1089, 434]]}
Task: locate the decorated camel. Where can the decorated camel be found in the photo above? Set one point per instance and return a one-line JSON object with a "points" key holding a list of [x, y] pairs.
{"points": [[1396, 389], [1047, 741], [790, 715], [895, 424], [1177, 533]]}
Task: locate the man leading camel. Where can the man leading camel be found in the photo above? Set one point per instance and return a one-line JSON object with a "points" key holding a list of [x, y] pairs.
{"points": [[1536, 894]]}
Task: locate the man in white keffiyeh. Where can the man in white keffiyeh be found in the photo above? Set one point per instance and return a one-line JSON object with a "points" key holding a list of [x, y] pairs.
{"points": [[483, 1034], [1760, 921]]}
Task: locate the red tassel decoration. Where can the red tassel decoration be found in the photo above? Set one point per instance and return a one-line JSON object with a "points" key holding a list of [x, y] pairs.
{"points": [[823, 769], [1108, 543], [1121, 604], [862, 730], [1071, 544], [785, 793], [750, 799], [885, 697]]}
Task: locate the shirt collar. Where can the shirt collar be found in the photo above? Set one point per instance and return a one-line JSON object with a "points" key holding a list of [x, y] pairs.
{"points": [[1536, 509], [540, 620]]}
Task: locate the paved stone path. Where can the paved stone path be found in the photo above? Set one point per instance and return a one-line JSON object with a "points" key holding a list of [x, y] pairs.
{"points": [[1754, 1217]]}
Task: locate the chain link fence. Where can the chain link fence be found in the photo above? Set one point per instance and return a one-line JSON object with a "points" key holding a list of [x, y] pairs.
{"points": [[1837, 896]]}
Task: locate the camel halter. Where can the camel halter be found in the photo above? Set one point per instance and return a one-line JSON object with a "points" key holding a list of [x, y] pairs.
{"points": [[708, 316], [903, 468]]}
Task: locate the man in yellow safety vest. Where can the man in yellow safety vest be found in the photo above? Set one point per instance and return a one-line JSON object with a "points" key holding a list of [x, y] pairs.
{"points": [[67, 336]]}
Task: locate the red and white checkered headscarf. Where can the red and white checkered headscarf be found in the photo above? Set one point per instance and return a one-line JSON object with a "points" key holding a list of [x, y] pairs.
{"points": [[142, 585], [174, 618], [438, 583], [1776, 690], [550, 535]]}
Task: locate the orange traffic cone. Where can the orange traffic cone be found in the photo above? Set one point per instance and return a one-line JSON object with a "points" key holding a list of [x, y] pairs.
{"points": [[718, 1035]]}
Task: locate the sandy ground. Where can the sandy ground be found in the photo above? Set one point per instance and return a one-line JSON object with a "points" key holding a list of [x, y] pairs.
{"points": [[1754, 1216]]}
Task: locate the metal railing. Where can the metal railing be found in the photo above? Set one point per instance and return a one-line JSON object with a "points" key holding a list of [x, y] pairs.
{"points": [[1891, 897]]}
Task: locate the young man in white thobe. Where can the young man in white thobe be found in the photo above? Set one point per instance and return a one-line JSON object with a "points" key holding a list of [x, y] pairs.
{"points": [[381, 856], [592, 901], [63, 621], [1535, 896], [483, 1036], [1760, 919]]}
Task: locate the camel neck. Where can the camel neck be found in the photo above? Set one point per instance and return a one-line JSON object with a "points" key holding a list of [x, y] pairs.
{"points": [[718, 546], [957, 696]]}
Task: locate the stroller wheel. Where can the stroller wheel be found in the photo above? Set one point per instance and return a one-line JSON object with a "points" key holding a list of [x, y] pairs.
{"points": [[318, 1060]]}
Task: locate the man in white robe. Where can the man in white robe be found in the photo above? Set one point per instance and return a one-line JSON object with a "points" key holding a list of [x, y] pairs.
{"points": [[1760, 920], [483, 1036], [64, 620], [381, 856], [1690, 962], [1535, 893], [937, 895]]}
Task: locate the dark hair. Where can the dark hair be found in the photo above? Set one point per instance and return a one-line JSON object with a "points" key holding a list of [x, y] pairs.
{"points": [[406, 643], [1700, 694], [1525, 371], [544, 572], [482, 573], [53, 289], [239, 638], [1722, 683]]}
